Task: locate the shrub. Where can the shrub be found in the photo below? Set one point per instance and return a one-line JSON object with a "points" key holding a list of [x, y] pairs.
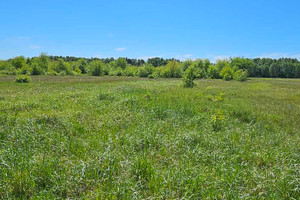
{"points": [[97, 68], [227, 73], [189, 77], [145, 71], [213, 71], [18, 62], [63, 73], [24, 70], [52, 73], [172, 70], [130, 71], [240, 75], [186, 64], [82, 64], [36, 70], [61, 67], [23, 79], [217, 120], [116, 72], [121, 62]]}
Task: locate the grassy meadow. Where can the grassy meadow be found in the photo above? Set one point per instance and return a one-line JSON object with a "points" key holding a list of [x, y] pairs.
{"points": [[133, 138]]}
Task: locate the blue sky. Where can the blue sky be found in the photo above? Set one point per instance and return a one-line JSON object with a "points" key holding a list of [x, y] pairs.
{"points": [[140, 29]]}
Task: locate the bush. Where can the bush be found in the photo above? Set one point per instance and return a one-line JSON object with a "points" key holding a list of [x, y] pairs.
{"points": [[36, 70], [97, 68], [213, 71], [24, 70], [217, 120], [172, 70], [130, 71], [121, 62], [240, 75], [23, 79], [145, 71], [227, 73], [116, 72], [189, 77], [82, 64], [52, 73], [63, 68]]}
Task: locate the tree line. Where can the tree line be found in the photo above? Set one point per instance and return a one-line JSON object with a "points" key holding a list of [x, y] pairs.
{"points": [[152, 68]]}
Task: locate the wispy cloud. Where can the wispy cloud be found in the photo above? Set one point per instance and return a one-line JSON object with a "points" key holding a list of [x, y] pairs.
{"points": [[147, 57], [35, 47], [98, 56], [22, 38], [276, 55], [121, 49], [214, 58], [183, 56]]}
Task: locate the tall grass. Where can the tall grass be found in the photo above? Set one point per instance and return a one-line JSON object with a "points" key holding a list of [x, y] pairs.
{"points": [[132, 138]]}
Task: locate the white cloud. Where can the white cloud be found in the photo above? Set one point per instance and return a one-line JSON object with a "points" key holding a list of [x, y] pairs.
{"points": [[120, 49]]}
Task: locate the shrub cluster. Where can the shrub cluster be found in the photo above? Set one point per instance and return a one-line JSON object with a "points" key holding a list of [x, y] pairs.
{"points": [[233, 68], [23, 79]]}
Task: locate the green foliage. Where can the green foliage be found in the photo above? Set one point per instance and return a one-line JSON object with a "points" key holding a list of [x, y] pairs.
{"points": [[116, 71], [97, 68], [23, 79], [213, 71], [217, 120], [240, 75], [145, 71], [36, 69], [82, 64], [172, 70], [130, 71], [244, 64], [186, 64], [63, 68], [18, 62], [189, 77], [43, 63], [24, 70], [52, 73], [121, 62], [164, 68], [227, 73]]}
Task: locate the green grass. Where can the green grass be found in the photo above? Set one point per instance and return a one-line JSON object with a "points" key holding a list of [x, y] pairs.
{"points": [[133, 138]]}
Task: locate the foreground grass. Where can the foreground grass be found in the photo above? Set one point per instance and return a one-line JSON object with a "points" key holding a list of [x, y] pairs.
{"points": [[131, 138]]}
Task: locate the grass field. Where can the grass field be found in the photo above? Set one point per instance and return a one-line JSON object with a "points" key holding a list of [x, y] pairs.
{"points": [[133, 138]]}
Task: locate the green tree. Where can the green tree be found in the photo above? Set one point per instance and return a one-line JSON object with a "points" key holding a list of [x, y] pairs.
{"points": [[121, 62], [82, 64], [274, 70], [43, 62], [18, 62]]}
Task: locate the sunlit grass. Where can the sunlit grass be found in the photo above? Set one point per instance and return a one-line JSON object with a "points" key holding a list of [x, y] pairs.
{"points": [[133, 138]]}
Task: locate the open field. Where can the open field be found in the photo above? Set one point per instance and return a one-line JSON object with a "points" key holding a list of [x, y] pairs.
{"points": [[134, 138]]}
